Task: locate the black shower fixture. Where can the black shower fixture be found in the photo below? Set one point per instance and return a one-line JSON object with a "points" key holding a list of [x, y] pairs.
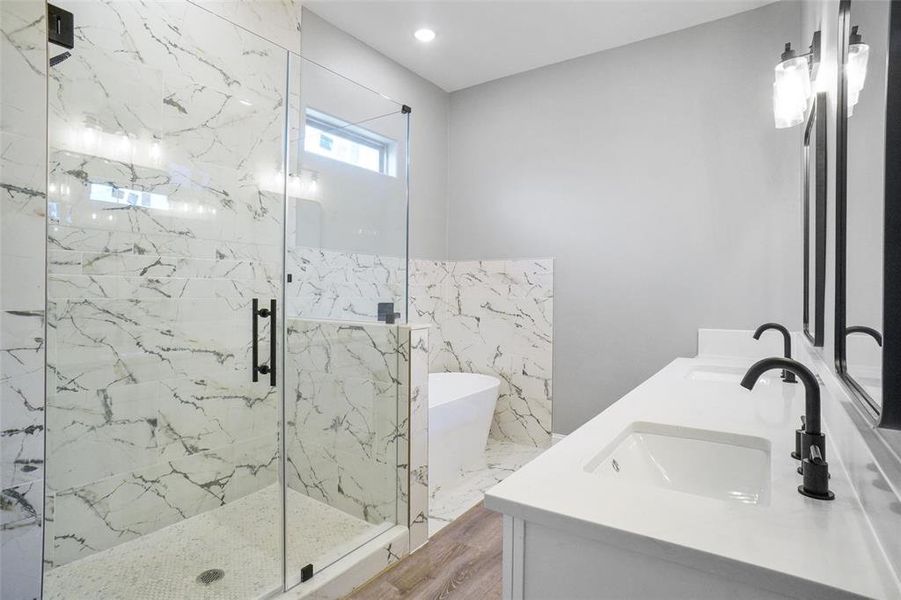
{"points": [[55, 60], [60, 31]]}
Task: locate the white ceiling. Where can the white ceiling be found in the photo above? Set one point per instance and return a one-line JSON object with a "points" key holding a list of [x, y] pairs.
{"points": [[481, 40]]}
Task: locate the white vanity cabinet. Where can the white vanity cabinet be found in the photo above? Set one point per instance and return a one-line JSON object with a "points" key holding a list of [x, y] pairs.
{"points": [[544, 563], [616, 511]]}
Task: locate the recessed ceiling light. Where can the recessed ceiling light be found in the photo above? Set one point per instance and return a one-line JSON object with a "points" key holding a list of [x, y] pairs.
{"points": [[424, 35]]}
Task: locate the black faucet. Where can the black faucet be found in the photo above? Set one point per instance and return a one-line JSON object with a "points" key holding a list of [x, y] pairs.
{"points": [[811, 440], [787, 375], [867, 330]]}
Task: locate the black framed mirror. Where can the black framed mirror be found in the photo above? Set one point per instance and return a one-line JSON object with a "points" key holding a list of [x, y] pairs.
{"points": [[814, 209], [868, 207]]}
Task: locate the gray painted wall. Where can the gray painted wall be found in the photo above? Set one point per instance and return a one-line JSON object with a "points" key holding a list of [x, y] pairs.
{"points": [[654, 175], [332, 48]]}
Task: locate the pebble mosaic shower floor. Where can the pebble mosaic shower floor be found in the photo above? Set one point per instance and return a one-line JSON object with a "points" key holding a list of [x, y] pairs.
{"points": [[241, 538]]}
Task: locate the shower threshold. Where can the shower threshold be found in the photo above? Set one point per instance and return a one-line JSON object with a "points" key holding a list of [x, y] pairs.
{"points": [[240, 539]]}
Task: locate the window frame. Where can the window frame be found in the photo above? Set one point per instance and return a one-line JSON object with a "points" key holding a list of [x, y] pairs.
{"points": [[355, 134]]}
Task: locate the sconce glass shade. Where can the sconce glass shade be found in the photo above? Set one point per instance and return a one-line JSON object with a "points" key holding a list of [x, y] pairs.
{"points": [[786, 112], [791, 91], [858, 56]]}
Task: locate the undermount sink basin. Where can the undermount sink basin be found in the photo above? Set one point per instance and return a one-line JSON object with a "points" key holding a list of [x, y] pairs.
{"points": [[715, 464], [724, 374]]}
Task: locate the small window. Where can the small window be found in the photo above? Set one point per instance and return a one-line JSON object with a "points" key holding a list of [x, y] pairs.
{"points": [[339, 140]]}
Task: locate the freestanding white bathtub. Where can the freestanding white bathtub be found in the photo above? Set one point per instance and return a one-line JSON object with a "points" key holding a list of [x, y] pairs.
{"points": [[461, 406]]}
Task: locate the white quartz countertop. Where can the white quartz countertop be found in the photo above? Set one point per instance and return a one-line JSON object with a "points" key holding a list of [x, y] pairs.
{"points": [[793, 545]]}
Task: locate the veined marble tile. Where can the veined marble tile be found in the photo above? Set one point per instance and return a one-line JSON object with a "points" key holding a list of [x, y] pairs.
{"points": [[20, 559], [21, 508], [165, 223], [22, 503], [493, 317], [23, 134], [151, 106], [345, 412], [329, 284], [402, 432], [23, 48], [345, 350], [468, 489], [367, 488], [311, 468], [342, 399], [22, 156], [22, 386], [22, 206], [117, 509], [419, 437]]}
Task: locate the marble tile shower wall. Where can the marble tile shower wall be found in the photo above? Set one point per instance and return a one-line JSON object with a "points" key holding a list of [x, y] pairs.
{"points": [[166, 124], [417, 442], [345, 406], [493, 317], [329, 284], [23, 131]]}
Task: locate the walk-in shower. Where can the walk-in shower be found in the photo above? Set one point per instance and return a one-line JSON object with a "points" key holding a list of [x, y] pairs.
{"points": [[205, 184]]}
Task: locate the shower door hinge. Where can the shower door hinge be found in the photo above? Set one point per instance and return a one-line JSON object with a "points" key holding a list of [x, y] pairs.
{"points": [[60, 27], [306, 573]]}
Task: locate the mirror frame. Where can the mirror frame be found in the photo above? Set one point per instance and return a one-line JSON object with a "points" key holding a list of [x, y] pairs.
{"points": [[816, 119], [888, 414]]}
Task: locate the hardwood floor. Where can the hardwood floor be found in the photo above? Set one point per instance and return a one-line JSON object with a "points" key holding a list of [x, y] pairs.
{"points": [[461, 561]]}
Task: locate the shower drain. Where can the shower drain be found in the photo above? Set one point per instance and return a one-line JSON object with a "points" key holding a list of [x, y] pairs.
{"points": [[210, 575]]}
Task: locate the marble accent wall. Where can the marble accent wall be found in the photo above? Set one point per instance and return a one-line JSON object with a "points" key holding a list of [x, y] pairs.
{"points": [[23, 131], [328, 284], [494, 317], [166, 132], [345, 414], [356, 408]]}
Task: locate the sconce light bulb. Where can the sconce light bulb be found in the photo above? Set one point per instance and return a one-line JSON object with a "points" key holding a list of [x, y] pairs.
{"points": [[791, 91]]}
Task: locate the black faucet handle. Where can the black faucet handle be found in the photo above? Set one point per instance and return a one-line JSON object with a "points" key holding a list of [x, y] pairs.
{"points": [[816, 476], [816, 456], [799, 440]]}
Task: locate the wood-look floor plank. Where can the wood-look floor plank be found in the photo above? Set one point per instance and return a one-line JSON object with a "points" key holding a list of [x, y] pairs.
{"points": [[461, 562]]}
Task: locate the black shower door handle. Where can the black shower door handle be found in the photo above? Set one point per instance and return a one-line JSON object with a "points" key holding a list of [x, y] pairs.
{"points": [[257, 367]]}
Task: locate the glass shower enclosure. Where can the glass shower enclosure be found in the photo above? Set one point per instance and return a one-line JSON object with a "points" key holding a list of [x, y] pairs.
{"points": [[346, 256], [214, 199]]}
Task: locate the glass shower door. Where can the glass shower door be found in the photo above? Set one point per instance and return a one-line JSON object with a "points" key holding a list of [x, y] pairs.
{"points": [[165, 220], [346, 262]]}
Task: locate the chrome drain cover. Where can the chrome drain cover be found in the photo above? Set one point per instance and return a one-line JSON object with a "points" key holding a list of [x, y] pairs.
{"points": [[210, 576]]}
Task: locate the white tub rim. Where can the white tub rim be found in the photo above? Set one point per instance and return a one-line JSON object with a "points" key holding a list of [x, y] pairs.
{"points": [[478, 383]]}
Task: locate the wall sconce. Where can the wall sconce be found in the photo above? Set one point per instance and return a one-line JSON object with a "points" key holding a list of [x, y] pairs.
{"points": [[858, 56], [792, 87]]}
